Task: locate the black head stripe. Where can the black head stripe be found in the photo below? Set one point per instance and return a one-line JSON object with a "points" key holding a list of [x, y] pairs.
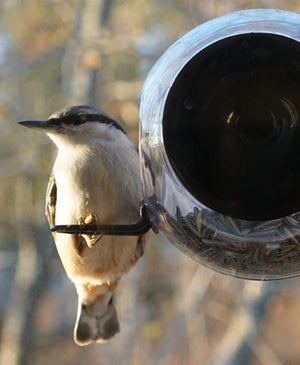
{"points": [[77, 115]]}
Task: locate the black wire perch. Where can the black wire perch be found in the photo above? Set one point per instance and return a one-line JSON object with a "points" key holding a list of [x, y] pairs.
{"points": [[137, 229]]}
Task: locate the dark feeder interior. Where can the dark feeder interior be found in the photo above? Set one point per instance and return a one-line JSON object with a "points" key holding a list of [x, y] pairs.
{"points": [[231, 126]]}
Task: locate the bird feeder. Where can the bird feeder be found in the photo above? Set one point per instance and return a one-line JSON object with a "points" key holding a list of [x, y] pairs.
{"points": [[220, 133]]}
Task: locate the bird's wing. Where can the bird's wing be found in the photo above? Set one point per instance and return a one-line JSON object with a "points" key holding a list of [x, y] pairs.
{"points": [[51, 200]]}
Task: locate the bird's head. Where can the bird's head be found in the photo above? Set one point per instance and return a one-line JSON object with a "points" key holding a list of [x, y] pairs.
{"points": [[79, 124]]}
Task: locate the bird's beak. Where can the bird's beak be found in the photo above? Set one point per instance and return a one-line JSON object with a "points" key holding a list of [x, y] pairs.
{"points": [[42, 125]]}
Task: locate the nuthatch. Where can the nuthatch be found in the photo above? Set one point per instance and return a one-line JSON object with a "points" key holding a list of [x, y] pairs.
{"points": [[95, 180]]}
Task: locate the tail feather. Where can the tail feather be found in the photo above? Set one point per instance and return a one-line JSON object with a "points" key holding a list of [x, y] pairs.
{"points": [[92, 328]]}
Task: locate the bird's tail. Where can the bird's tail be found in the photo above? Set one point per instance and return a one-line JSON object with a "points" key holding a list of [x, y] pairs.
{"points": [[94, 324]]}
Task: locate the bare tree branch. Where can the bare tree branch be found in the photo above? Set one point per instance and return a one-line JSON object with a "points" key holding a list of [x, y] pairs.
{"points": [[244, 328]]}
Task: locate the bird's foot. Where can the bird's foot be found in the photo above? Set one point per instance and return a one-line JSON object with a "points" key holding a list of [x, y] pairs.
{"points": [[91, 239]]}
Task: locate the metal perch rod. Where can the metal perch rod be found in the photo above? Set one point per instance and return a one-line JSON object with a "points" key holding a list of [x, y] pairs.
{"points": [[141, 227]]}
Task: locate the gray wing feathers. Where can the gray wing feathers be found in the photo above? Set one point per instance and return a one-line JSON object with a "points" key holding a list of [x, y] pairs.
{"points": [[51, 201]]}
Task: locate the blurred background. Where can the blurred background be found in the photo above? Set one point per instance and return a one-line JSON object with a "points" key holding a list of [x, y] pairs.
{"points": [[57, 53]]}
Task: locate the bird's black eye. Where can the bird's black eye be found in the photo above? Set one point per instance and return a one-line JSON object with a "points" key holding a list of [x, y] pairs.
{"points": [[54, 121], [71, 119]]}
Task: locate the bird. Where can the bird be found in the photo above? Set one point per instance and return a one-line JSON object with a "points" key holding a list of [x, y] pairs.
{"points": [[95, 180]]}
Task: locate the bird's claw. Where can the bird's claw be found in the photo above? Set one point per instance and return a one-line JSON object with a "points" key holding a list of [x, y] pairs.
{"points": [[91, 239]]}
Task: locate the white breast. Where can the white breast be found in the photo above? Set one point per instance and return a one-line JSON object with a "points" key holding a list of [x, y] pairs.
{"points": [[102, 179]]}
